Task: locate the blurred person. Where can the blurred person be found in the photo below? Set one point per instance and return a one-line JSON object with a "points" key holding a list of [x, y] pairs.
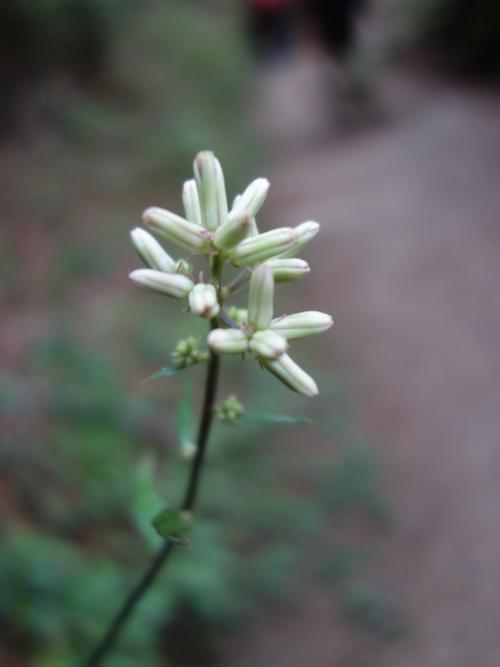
{"points": [[272, 27], [335, 27]]}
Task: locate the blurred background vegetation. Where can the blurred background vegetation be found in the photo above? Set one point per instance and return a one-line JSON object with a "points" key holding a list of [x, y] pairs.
{"points": [[104, 104]]}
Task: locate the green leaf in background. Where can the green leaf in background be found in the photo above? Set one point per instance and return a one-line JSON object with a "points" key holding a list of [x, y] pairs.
{"points": [[185, 418], [165, 372], [171, 524], [273, 418]]}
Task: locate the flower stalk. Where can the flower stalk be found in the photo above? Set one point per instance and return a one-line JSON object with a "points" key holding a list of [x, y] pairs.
{"points": [[221, 237]]}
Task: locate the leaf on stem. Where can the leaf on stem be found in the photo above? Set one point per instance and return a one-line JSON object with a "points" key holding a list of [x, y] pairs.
{"points": [[273, 418], [165, 372], [171, 524]]}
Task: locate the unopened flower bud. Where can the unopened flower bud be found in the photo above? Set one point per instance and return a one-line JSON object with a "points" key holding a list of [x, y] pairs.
{"points": [[238, 315], [171, 284], [191, 201], [151, 251], [227, 341], [188, 450], [286, 270], [233, 231], [292, 375], [203, 300], [260, 297], [187, 352], [258, 248], [308, 323], [175, 229], [252, 199], [306, 231], [268, 344], [230, 410], [212, 190]]}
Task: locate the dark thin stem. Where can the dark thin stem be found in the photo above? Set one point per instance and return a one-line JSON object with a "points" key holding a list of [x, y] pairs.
{"points": [[114, 630]]}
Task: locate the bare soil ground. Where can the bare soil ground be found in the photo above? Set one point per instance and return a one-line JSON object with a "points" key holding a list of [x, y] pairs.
{"points": [[408, 262]]}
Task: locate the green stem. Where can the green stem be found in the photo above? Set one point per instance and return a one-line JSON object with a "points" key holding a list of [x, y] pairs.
{"points": [[118, 623]]}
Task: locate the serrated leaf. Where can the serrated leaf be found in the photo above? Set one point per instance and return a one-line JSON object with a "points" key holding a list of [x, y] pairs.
{"points": [[165, 372], [273, 418], [171, 524]]}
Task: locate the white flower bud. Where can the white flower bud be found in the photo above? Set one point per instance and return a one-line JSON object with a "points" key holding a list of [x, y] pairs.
{"points": [[151, 251], [171, 284], [175, 229], [292, 375], [306, 231], [191, 201], [258, 248], [252, 199], [268, 344], [212, 190], [203, 300], [308, 323], [286, 270], [260, 297], [227, 341], [233, 231]]}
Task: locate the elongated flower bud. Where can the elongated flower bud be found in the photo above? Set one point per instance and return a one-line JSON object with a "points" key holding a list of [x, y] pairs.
{"points": [[252, 199], [227, 341], [268, 344], [308, 323], [306, 231], [171, 284], [151, 251], [286, 270], [203, 300], [212, 190], [256, 249], [292, 375], [260, 297], [175, 229], [233, 231], [191, 201]]}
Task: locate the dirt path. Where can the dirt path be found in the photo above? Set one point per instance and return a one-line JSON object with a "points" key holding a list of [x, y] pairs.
{"points": [[411, 257]]}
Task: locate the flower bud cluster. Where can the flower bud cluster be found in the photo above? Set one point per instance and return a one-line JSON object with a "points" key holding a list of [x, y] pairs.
{"points": [[230, 410], [230, 235], [187, 353]]}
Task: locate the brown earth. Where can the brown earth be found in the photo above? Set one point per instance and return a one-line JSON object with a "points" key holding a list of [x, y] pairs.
{"points": [[408, 262]]}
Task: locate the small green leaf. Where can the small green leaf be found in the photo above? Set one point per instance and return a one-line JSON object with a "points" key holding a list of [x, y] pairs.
{"points": [[171, 524], [163, 373], [273, 418]]}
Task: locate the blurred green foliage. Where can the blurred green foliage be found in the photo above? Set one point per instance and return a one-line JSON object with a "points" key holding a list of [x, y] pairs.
{"points": [[92, 463], [89, 453]]}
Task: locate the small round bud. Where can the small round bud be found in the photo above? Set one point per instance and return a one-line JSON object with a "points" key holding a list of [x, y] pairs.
{"points": [[230, 410], [268, 344], [203, 300], [227, 341]]}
